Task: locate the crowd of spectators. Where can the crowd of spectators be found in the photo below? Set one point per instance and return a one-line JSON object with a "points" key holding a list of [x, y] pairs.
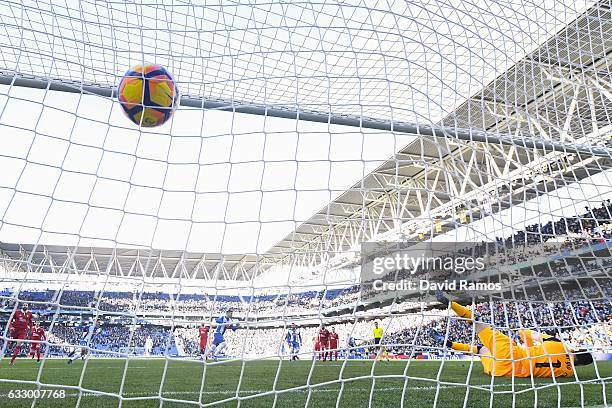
{"points": [[595, 223], [581, 323], [164, 303], [114, 338]]}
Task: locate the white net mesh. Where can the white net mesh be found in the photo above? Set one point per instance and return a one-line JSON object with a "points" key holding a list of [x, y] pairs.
{"points": [[307, 132]]}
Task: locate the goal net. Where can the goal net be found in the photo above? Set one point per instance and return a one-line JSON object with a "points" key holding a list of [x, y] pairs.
{"points": [[355, 203]]}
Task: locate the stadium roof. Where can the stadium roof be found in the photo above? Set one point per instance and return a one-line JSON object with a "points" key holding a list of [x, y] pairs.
{"points": [[123, 262], [561, 92]]}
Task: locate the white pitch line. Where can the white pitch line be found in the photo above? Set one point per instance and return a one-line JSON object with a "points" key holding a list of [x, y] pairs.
{"points": [[67, 367], [591, 406], [313, 390]]}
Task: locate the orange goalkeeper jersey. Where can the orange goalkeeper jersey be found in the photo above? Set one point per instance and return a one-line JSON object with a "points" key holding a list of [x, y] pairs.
{"points": [[548, 358], [504, 358]]}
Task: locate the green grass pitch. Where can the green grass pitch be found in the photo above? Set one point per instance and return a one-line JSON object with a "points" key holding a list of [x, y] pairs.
{"points": [[420, 384]]}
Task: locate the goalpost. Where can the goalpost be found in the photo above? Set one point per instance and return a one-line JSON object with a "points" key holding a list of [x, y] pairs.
{"points": [[314, 142]]}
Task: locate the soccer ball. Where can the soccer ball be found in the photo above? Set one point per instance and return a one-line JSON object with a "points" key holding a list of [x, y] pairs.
{"points": [[148, 95]]}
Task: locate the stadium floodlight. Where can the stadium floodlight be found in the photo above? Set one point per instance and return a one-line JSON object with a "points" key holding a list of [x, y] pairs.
{"points": [[286, 209]]}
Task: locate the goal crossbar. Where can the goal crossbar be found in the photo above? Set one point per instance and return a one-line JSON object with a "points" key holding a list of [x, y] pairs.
{"points": [[418, 129]]}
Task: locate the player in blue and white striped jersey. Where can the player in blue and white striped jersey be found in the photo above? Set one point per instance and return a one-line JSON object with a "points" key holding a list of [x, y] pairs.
{"points": [[294, 341], [222, 324], [87, 337]]}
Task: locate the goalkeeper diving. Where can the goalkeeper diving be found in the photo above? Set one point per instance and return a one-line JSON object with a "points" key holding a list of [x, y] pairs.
{"points": [[540, 355]]}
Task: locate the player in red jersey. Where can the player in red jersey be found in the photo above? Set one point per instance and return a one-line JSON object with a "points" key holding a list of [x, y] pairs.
{"points": [[38, 334], [324, 340], [333, 344], [19, 325], [317, 348], [203, 333]]}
